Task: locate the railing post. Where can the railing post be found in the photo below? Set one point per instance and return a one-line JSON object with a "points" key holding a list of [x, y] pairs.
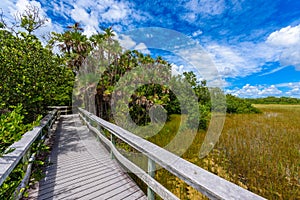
{"points": [[100, 131], [151, 172], [48, 126], [113, 141]]}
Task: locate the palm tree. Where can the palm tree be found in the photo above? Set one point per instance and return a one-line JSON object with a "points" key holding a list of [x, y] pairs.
{"points": [[73, 44], [76, 27]]}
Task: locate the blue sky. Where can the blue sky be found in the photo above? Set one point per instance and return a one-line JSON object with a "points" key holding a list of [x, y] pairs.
{"points": [[253, 44]]}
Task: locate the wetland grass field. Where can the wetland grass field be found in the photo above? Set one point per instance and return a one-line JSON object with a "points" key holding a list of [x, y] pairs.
{"points": [[259, 152]]}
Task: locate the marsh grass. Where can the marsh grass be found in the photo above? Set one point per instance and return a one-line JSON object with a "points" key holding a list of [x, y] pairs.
{"points": [[259, 152]]}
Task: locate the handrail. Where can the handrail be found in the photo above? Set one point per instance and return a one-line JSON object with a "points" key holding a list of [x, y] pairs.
{"points": [[146, 178], [63, 109], [21, 148], [209, 184]]}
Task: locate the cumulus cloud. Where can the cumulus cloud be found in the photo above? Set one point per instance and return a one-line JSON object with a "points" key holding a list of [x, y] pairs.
{"points": [[292, 88], [250, 91], [126, 41], [285, 37], [287, 42], [116, 12], [177, 70], [89, 21], [142, 48]]}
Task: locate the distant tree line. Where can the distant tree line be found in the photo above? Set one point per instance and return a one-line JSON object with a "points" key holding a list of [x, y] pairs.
{"points": [[274, 100]]}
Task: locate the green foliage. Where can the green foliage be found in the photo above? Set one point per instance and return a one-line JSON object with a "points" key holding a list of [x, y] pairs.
{"points": [[238, 105], [275, 100], [139, 70], [31, 19], [202, 93], [31, 75], [11, 183], [9, 186], [12, 128]]}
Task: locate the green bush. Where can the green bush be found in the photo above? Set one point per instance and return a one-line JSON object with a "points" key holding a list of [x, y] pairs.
{"points": [[32, 75], [238, 105], [12, 128]]}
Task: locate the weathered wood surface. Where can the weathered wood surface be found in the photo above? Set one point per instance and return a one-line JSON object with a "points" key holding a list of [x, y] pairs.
{"points": [[205, 182], [9, 161], [82, 169], [140, 173]]}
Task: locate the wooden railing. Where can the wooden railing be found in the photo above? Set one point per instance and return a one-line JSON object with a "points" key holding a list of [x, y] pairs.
{"points": [[21, 151], [212, 186], [63, 110]]}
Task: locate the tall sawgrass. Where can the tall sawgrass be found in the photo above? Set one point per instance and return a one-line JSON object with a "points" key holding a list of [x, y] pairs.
{"points": [[259, 152]]}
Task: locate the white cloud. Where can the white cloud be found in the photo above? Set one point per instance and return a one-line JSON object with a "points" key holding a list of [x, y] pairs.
{"points": [[126, 41], [197, 33], [12, 9], [89, 21], [210, 7], [142, 48], [92, 14], [247, 58], [17, 7], [204, 8], [270, 90], [232, 62], [79, 14], [199, 61], [294, 92], [116, 12], [287, 42], [251, 91], [177, 70], [290, 84], [285, 37], [292, 88]]}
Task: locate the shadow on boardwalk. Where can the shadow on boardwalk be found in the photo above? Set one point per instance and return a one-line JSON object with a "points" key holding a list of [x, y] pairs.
{"points": [[82, 169]]}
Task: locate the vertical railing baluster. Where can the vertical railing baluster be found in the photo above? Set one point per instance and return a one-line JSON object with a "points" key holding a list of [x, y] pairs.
{"points": [[151, 172], [113, 141], [98, 127]]}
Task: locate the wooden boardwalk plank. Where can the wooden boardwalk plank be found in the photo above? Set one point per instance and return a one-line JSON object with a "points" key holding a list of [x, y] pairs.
{"points": [[82, 169]]}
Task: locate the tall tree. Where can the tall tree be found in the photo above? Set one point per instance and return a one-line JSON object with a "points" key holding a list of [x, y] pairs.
{"points": [[31, 74], [74, 45]]}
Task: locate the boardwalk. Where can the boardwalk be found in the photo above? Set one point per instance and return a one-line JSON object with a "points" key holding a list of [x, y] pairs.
{"points": [[82, 168]]}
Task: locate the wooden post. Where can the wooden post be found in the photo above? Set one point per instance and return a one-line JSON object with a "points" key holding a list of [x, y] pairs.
{"points": [[98, 127], [113, 141], [48, 126], [87, 119], [151, 172]]}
